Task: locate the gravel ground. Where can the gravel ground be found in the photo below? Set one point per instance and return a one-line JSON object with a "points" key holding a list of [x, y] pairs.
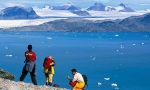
{"points": [[12, 85]]}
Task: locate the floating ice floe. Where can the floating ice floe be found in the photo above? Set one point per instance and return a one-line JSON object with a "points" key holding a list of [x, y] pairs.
{"points": [[121, 53], [114, 85], [50, 38], [116, 88], [17, 33], [9, 55], [142, 43], [117, 50], [116, 35], [107, 79], [42, 42], [121, 46], [146, 36], [133, 44], [6, 47], [99, 84], [94, 58], [93, 47]]}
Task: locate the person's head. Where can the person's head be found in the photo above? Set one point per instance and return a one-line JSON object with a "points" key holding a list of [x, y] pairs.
{"points": [[30, 47], [73, 71], [50, 57]]}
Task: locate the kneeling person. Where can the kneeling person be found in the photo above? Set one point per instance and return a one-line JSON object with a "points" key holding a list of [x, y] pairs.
{"points": [[78, 81]]}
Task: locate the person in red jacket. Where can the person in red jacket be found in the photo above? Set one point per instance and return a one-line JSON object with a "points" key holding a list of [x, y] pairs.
{"points": [[30, 58], [49, 71]]}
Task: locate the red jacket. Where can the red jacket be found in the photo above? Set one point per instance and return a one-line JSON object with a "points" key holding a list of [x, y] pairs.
{"points": [[30, 56], [47, 62]]}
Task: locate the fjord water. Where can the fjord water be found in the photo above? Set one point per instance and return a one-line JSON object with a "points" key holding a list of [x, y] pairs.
{"points": [[111, 61]]}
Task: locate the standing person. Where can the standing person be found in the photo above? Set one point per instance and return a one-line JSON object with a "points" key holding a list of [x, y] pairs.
{"points": [[78, 81], [49, 71], [30, 66]]}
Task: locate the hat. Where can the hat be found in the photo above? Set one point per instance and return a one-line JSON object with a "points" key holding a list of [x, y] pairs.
{"points": [[50, 57]]}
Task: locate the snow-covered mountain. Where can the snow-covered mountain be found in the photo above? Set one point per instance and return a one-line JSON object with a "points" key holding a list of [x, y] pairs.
{"points": [[110, 8], [67, 10], [123, 8], [66, 7], [81, 13], [17, 12], [97, 7], [70, 11], [101, 7], [47, 11], [72, 8], [47, 14], [74, 11]]}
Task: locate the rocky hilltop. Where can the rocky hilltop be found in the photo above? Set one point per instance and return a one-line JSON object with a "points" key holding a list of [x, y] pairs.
{"points": [[6, 75], [7, 84]]}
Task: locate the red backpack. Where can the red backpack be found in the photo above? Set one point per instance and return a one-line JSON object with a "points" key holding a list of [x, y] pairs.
{"points": [[47, 62], [72, 84], [31, 56]]}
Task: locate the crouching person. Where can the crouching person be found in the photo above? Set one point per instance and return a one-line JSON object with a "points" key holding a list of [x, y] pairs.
{"points": [[78, 81], [49, 72]]}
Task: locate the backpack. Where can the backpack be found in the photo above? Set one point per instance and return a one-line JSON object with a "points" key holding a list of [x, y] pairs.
{"points": [[47, 61], [85, 79], [72, 84], [30, 56]]}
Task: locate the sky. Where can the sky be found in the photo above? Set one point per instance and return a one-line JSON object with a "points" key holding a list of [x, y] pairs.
{"points": [[135, 4]]}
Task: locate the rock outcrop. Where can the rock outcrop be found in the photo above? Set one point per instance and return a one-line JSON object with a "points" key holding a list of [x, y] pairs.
{"points": [[6, 83], [12, 85], [6, 75]]}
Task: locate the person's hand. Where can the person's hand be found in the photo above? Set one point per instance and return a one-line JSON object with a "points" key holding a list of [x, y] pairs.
{"points": [[25, 61], [43, 70], [68, 77]]}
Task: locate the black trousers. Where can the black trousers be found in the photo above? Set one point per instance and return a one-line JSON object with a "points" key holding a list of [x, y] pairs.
{"points": [[32, 74]]}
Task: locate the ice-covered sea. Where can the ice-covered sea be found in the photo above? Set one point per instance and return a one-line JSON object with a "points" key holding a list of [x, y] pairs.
{"points": [[112, 61]]}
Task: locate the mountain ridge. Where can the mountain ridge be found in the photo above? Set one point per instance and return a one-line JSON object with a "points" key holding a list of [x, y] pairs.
{"points": [[98, 6], [17, 12]]}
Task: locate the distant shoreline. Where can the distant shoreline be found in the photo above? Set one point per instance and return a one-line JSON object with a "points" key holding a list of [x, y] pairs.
{"points": [[131, 24]]}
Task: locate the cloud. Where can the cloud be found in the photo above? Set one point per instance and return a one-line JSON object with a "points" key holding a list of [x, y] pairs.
{"points": [[145, 4], [14, 4], [77, 1], [104, 1]]}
